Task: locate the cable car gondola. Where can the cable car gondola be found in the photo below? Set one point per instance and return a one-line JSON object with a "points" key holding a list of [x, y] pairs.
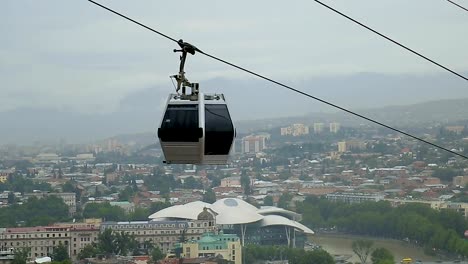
{"points": [[196, 128]]}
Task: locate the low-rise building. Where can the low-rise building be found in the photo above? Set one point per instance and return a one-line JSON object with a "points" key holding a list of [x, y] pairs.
{"points": [[211, 245], [461, 181], [42, 240], [354, 197], [163, 234]]}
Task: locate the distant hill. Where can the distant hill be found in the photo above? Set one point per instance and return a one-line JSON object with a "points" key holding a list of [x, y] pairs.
{"points": [[440, 111], [266, 105]]}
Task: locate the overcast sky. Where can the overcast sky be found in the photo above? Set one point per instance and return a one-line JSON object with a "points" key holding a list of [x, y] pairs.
{"points": [[74, 55]]}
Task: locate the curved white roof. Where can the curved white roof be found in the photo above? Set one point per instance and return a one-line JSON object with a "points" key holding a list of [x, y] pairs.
{"points": [[233, 211], [273, 210], [272, 220], [304, 228], [186, 211]]}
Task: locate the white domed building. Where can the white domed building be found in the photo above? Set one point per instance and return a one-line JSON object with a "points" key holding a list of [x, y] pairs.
{"points": [[265, 226]]}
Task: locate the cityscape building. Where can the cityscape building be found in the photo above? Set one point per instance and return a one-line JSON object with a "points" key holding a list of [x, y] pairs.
{"points": [[253, 144], [318, 128], [334, 127], [212, 245]]}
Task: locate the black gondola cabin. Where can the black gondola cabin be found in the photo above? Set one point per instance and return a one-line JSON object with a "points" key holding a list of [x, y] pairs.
{"points": [[196, 131]]}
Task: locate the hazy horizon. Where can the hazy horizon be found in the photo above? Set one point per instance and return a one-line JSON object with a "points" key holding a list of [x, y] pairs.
{"points": [[64, 62]]}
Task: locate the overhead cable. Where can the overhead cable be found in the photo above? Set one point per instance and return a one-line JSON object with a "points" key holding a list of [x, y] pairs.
{"points": [[460, 6], [291, 88], [393, 41]]}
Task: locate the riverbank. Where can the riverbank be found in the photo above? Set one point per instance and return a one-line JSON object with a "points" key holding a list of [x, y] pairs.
{"points": [[340, 244]]}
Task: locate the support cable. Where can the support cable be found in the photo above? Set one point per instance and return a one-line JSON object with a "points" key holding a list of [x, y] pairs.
{"points": [[460, 6], [293, 89]]}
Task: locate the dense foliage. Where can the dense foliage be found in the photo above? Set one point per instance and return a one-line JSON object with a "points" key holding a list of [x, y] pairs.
{"points": [[119, 243], [436, 230], [254, 253], [362, 248], [34, 212], [382, 256], [104, 211], [114, 213], [19, 183], [60, 253]]}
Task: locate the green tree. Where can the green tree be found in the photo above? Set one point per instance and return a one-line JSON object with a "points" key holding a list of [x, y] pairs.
{"points": [[245, 182], [362, 248], [89, 251], [284, 200], [268, 200], [157, 206], [125, 243], [116, 243], [106, 242], [445, 174], [68, 187], [21, 255], [381, 255], [104, 211], [11, 198], [126, 194], [156, 254], [35, 212], [60, 253], [140, 214], [215, 182], [209, 196]]}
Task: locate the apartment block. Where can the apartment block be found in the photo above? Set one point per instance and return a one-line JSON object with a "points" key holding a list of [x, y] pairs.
{"points": [[211, 245], [334, 127], [42, 240], [163, 234]]}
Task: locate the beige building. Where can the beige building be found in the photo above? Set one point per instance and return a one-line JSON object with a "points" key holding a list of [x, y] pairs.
{"points": [[43, 239], [3, 177], [211, 245], [295, 130], [253, 144], [455, 129], [334, 127], [460, 181], [318, 128], [342, 146], [233, 181], [354, 144], [163, 234]]}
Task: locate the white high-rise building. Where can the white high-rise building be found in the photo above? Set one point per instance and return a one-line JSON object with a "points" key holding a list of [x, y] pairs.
{"points": [[318, 128], [253, 144], [334, 127]]}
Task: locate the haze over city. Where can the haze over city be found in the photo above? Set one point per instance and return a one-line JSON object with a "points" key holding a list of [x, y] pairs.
{"points": [[75, 58], [98, 166]]}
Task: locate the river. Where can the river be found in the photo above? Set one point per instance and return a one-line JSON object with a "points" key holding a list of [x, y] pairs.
{"points": [[341, 245]]}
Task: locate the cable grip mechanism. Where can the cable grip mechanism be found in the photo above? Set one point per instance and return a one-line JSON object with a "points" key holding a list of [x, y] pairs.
{"points": [[182, 81]]}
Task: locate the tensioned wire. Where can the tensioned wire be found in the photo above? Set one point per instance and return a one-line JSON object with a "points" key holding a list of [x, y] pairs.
{"points": [[307, 94]]}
